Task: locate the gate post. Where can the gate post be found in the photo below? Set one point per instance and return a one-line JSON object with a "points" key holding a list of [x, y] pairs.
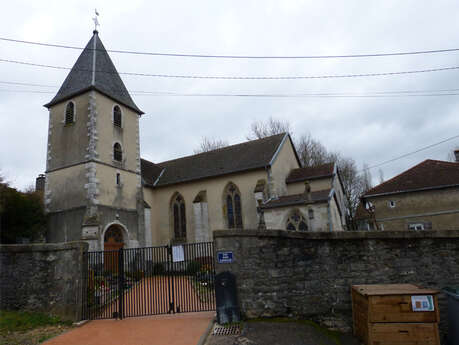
{"points": [[121, 283]]}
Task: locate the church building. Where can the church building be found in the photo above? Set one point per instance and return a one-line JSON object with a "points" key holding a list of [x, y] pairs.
{"points": [[98, 189]]}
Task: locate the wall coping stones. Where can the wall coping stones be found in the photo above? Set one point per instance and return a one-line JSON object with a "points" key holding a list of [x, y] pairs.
{"points": [[338, 235], [43, 247]]}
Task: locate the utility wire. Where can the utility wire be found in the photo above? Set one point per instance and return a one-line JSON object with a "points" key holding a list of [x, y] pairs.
{"points": [[254, 95], [410, 153], [436, 51], [243, 77], [390, 92]]}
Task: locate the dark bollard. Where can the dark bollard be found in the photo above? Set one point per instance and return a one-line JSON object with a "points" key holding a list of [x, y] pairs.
{"points": [[226, 297]]}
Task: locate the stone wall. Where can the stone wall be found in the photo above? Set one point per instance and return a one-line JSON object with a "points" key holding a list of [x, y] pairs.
{"points": [[309, 275], [42, 277]]}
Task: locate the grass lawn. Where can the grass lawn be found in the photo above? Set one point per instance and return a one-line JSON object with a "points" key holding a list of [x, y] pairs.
{"points": [[29, 328]]}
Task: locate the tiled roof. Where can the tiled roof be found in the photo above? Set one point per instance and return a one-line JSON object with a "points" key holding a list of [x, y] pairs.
{"points": [[254, 154], [310, 173], [298, 199], [106, 79], [429, 174]]}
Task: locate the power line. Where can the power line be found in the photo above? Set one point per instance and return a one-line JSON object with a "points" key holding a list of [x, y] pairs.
{"points": [[432, 91], [410, 153], [419, 52], [244, 77], [254, 95]]}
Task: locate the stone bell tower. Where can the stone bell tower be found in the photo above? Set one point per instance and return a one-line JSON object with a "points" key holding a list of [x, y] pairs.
{"points": [[93, 181]]}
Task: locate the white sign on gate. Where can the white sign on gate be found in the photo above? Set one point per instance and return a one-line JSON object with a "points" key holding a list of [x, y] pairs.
{"points": [[178, 254]]}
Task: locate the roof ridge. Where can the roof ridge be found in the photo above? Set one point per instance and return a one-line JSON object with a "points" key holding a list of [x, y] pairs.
{"points": [[396, 176], [221, 148]]}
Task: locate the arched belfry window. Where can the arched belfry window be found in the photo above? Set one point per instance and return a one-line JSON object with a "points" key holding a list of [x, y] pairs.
{"points": [[179, 218], [117, 152], [117, 116], [296, 222], [233, 207], [70, 113]]}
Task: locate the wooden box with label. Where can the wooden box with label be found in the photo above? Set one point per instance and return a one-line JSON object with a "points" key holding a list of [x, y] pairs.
{"points": [[394, 314]]}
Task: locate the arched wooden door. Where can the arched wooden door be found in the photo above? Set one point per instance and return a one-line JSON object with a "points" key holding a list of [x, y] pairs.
{"points": [[113, 241]]}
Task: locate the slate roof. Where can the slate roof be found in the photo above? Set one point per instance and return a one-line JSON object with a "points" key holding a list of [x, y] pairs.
{"points": [[298, 199], [310, 173], [106, 79], [251, 155], [429, 174]]}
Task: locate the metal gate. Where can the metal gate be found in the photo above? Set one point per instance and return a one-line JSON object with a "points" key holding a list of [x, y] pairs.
{"points": [[149, 281]]}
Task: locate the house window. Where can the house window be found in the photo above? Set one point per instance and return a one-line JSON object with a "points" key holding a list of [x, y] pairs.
{"points": [[117, 152], [70, 113], [233, 207], [392, 204], [296, 222], [117, 116], [179, 218]]}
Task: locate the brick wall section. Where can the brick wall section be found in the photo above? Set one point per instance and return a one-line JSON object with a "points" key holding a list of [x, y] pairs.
{"points": [[309, 275], [42, 277]]}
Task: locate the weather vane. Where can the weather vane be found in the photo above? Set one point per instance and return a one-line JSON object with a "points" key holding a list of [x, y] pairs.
{"points": [[96, 22]]}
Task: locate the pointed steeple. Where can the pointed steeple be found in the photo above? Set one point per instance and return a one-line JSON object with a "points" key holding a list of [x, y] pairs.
{"points": [[94, 70]]}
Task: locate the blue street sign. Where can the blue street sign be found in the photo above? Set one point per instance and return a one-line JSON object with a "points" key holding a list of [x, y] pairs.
{"points": [[225, 257]]}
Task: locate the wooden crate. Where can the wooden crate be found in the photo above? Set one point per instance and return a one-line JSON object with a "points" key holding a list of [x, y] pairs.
{"points": [[383, 314]]}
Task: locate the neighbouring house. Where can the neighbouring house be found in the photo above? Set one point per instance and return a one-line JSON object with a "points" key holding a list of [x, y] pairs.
{"points": [[98, 189], [421, 198]]}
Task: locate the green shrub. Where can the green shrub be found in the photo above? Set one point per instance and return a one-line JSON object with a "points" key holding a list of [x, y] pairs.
{"points": [[158, 268], [193, 267]]}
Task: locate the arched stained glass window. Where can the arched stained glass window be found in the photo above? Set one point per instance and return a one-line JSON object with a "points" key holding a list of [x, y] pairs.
{"points": [[70, 113], [296, 222], [117, 116], [233, 207], [230, 211], [117, 152], [179, 218]]}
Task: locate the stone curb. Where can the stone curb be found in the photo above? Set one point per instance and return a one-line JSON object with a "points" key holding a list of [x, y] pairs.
{"points": [[204, 337], [80, 323]]}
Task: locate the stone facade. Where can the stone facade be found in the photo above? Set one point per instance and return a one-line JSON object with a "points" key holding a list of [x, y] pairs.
{"points": [[281, 273], [210, 212], [43, 277], [435, 209]]}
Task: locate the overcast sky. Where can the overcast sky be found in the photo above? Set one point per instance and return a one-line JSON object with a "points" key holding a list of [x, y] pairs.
{"points": [[368, 129]]}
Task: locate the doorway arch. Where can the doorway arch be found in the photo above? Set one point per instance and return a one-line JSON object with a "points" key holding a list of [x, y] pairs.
{"points": [[113, 238]]}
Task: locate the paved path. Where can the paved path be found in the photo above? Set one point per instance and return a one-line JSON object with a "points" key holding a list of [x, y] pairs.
{"points": [[153, 295], [176, 329]]}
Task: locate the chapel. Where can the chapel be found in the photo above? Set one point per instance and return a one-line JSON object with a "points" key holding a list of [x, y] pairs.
{"points": [[98, 189]]}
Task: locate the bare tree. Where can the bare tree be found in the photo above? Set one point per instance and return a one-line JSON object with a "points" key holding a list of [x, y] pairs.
{"points": [[381, 175], [210, 144], [262, 129], [366, 178], [311, 152]]}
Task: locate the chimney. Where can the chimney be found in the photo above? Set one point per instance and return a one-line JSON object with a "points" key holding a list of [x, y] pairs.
{"points": [[456, 155], [40, 183]]}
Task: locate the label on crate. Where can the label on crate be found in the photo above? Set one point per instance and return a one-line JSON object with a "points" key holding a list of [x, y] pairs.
{"points": [[422, 303]]}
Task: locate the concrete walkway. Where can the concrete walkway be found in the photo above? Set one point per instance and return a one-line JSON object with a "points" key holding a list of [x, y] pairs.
{"points": [[176, 329]]}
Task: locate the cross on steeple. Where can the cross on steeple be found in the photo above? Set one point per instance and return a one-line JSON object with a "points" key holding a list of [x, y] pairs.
{"points": [[96, 21]]}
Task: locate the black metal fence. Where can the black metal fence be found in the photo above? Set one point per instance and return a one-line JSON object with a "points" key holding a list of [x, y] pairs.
{"points": [[149, 281]]}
